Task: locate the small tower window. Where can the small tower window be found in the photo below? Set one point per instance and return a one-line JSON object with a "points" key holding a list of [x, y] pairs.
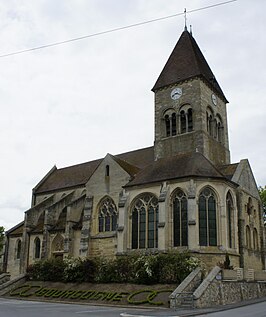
{"points": [[37, 248], [18, 249], [186, 119], [173, 124], [107, 170]]}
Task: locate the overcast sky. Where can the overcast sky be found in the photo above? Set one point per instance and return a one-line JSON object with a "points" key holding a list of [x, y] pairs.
{"points": [[76, 102]]}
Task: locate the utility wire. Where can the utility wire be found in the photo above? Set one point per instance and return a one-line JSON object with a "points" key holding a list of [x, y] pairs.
{"points": [[114, 30]]}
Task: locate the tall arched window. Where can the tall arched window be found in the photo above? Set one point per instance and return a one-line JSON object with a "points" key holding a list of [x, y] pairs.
{"points": [[248, 237], [207, 218], [18, 249], [230, 219], [37, 248], [107, 215], [255, 239], [183, 124], [167, 125], [170, 122], [173, 124], [145, 222], [180, 219]]}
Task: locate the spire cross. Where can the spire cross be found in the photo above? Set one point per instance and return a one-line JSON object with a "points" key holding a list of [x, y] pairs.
{"points": [[185, 16]]}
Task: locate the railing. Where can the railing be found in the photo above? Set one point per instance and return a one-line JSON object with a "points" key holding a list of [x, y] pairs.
{"points": [[184, 299]]}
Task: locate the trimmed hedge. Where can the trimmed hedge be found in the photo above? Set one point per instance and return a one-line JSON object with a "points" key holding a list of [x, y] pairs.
{"points": [[159, 268]]}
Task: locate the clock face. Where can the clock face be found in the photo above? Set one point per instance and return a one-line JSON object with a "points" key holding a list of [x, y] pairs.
{"points": [[214, 99], [176, 93]]}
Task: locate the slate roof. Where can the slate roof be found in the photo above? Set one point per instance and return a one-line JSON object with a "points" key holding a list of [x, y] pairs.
{"points": [[176, 167], [228, 170], [187, 61], [78, 175]]}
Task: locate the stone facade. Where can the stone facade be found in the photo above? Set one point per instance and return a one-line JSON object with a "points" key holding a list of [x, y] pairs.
{"points": [[181, 194]]}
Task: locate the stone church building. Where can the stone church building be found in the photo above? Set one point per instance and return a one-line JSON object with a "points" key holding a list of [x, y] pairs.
{"points": [[183, 193]]}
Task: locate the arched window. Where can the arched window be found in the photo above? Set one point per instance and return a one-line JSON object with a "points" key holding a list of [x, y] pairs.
{"points": [[255, 239], [107, 170], [249, 206], [18, 249], [37, 248], [167, 125], [170, 122], [186, 119], [173, 124], [145, 222], [107, 215], [207, 218], [230, 219], [180, 219], [58, 243], [210, 121], [248, 237]]}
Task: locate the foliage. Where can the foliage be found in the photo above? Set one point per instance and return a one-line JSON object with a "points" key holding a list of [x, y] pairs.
{"points": [[262, 192], [2, 237], [136, 268]]}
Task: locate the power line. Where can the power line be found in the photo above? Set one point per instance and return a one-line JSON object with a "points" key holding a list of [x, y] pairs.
{"points": [[114, 30]]}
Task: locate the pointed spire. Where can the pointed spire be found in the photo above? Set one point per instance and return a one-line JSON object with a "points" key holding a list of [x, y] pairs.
{"points": [[185, 62], [185, 16]]}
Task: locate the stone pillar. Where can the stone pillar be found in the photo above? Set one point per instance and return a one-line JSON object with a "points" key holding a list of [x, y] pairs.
{"points": [[162, 221], [48, 221], [193, 235], [86, 223], [122, 230]]}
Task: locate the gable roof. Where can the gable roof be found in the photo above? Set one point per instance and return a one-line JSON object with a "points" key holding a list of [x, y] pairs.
{"points": [[185, 62], [78, 175], [174, 167]]}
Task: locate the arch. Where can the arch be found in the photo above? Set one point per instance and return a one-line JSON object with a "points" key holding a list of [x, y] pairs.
{"points": [[58, 243], [230, 219], [255, 239], [18, 249], [37, 248], [248, 237], [180, 218], [144, 211], [107, 215], [207, 217]]}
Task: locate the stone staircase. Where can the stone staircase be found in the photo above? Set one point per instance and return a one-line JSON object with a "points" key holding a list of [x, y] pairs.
{"points": [[4, 277]]}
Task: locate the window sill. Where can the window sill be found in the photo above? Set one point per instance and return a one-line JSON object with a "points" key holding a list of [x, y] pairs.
{"points": [[104, 235]]}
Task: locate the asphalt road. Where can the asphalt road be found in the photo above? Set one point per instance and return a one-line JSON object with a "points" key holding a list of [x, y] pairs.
{"points": [[20, 308]]}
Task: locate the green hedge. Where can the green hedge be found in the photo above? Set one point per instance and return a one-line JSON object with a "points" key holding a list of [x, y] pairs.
{"points": [[159, 268]]}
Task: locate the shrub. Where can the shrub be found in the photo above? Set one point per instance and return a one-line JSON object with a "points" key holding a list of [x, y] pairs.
{"points": [[136, 268]]}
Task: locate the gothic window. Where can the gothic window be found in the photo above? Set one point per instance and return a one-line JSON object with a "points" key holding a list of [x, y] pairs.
{"points": [[180, 219], [107, 215], [37, 248], [207, 218], [186, 119], [145, 222], [58, 243], [248, 237], [230, 219], [255, 239], [18, 249]]}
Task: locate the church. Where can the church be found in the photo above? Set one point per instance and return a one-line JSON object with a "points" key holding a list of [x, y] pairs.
{"points": [[182, 193]]}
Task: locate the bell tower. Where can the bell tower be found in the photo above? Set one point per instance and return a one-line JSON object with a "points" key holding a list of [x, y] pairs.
{"points": [[190, 107]]}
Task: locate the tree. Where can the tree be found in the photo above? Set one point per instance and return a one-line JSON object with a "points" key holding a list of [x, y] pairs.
{"points": [[262, 191], [2, 238]]}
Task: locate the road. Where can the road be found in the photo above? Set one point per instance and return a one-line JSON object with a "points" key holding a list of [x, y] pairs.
{"points": [[20, 308]]}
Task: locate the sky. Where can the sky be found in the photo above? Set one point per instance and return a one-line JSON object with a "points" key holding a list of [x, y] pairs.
{"points": [[76, 102]]}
